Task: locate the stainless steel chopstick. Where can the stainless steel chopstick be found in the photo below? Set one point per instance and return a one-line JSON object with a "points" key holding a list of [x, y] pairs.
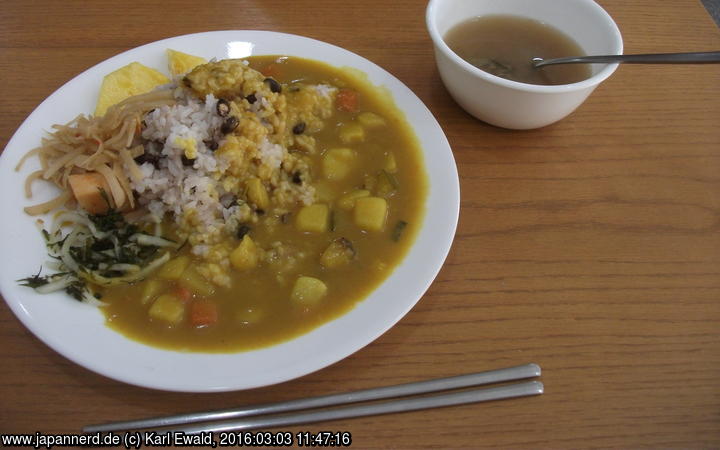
{"points": [[388, 407], [401, 390]]}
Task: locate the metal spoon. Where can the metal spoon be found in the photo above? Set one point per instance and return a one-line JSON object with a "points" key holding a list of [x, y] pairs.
{"points": [[648, 58]]}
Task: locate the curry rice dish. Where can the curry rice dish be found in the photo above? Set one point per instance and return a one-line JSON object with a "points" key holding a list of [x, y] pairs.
{"points": [[245, 203]]}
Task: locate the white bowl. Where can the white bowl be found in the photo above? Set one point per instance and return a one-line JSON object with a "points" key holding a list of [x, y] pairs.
{"points": [[510, 104]]}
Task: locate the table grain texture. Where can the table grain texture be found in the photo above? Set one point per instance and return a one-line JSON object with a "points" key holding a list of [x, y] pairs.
{"points": [[591, 246]]}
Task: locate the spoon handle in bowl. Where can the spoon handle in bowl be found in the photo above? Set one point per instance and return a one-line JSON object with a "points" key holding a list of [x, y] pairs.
{"points": [[648, 58]]}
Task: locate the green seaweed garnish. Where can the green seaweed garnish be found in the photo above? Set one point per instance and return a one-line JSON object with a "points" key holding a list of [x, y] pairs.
{"points": [[35, 280]]}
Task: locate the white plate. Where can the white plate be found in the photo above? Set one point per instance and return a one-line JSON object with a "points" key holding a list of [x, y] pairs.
{"points": [[78, 332]]}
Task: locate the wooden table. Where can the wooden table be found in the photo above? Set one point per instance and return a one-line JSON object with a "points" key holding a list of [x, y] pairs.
{"points": [[591, 247]]}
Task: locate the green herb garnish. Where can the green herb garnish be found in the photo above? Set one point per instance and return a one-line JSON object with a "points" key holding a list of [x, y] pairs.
{"points": [[100, 249], [34, 281]]}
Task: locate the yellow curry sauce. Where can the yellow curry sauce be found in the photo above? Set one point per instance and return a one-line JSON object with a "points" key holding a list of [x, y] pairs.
{"points": [[257, 307]]}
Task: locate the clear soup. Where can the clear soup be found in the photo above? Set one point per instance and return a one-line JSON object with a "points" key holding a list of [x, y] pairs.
{"points": [[504, 45]]}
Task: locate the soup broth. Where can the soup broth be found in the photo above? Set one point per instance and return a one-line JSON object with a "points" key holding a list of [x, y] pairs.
{"points": [[504, 46]]}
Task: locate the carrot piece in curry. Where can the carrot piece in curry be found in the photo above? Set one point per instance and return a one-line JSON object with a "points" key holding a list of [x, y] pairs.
{"points": [[183, 294], [271, 70], [347, 100], [203, 313]]}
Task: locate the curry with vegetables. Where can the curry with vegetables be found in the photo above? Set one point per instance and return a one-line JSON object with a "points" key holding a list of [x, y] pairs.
{"points": [[265, 197]]}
